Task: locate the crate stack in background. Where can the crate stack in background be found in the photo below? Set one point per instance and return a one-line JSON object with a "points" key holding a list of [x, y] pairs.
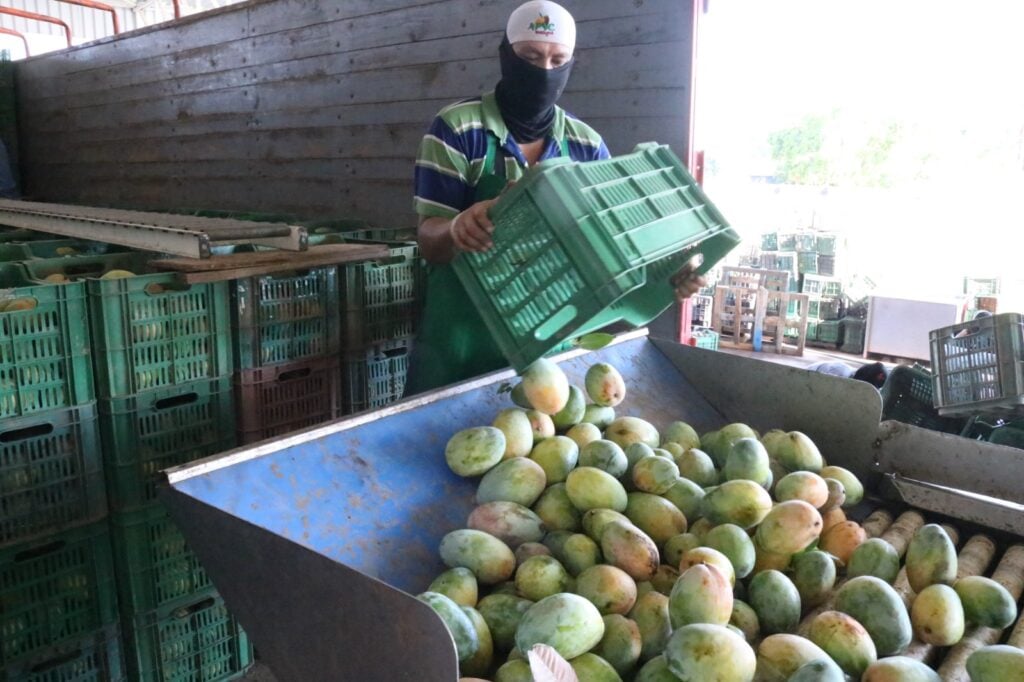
{"points": [[824, 309], [58, 602]]}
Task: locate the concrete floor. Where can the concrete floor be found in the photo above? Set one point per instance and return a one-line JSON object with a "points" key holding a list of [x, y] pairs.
{"points": [[261, 673]]}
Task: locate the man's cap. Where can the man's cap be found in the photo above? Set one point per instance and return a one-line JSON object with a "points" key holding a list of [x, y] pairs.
{"points": [[544, 21]]}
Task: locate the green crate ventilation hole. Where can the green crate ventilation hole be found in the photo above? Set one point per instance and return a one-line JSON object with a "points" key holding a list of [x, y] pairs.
{"points": [[381, 297], [292, 311]]}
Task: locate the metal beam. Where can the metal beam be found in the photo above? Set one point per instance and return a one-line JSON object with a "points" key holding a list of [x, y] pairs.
{"points": [[92, 4], [38, 17], [17, 34]]}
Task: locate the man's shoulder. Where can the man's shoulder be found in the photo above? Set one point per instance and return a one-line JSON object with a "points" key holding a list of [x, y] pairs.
{"points": [[464, 115], [580, 131]]}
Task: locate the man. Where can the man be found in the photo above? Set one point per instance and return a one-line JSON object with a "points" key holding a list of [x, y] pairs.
{"points": [[473, 149], [874, 373]]}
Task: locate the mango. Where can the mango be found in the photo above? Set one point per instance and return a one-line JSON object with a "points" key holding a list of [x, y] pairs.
{"points": [[931, 558], [789, 527], [677, 546], [874, 557], [682, 434], [590, 666], [734, 543], [504, 587], [710, 652], [489, 558], [842, 540], [625, 431], [831, 517], [480, 662], [687, 496], [621, 643], [776, 601], [591, 488], [555, 541], [674, 449], [514, 671], [997, 663], [654, 474], [656, 670], [518, 432], [814, 574], [803, 485], [604, 455], [877, 606], [650, 613], [634, 453], [836, 494], [768, 561], [56, 278], [778, 472], [743, 503], [720, 442], [568, 623], [780, 656], [511, 523], [701, 527], [696, 465], [579, 553], [529, 549], [986, 602], [937, 616], [902, 669], [599, 416], [662, 452], [654, 515], [701, 595], [629, 548], [595, 520], [608, 588], [745, 619], [474, 451], [117, 274], [572, 414], [709, 557], [583, 433], [771, 441], [851, 484], [844, 640], [541, 576], [557, 456], [556, 511], [605, 385], [518, 480], [665, 578], [66, 251], [458, 623], [541, 425], [458, 584], [747, 459], [797, 452], [818, 671], [546, 386]]}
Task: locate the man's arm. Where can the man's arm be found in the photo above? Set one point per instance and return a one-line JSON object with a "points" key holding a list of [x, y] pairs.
{"points": [[439, 238]]}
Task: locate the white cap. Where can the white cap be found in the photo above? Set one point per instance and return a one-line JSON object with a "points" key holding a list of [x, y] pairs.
{"points": [[543, 21]]}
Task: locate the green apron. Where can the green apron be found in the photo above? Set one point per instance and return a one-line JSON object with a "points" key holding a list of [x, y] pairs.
{"points": [[453, 343]]}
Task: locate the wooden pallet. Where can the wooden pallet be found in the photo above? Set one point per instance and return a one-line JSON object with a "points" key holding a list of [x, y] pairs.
{"points": [[238, 265]]}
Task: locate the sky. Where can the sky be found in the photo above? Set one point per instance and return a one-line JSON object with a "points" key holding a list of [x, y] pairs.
{"points": [[943, 69]]}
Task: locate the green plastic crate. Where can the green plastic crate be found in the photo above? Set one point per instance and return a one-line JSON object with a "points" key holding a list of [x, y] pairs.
{"points": [[826, 265], [807, 263], [16, 235], [828, 332], [907, 397], [381, 299], [812, 331], [13, 253], [820, 285], [704, 338], [279, 399], [1010, 435], [194, 640], [70, 248], [94, 658], [580, 245], [45, 351], [155, 566], [285, 318], [823, 309], [146, 433], [825, 245], [770, 241], [806, 241], [787, 241], [853, 335], [51, 473], [375, 376], [149, 331], [54, 589]]}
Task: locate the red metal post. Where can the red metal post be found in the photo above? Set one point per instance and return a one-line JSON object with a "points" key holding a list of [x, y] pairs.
{"points": [[92, 4], [38, 17], [16, 34], [177, 9]]}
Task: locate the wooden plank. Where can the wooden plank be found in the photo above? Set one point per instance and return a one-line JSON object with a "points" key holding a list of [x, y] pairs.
{"points": [[314, 255]]}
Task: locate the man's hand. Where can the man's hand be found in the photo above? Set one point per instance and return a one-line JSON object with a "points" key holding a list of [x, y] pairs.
{"points": [[471, 230], [687, 282]]}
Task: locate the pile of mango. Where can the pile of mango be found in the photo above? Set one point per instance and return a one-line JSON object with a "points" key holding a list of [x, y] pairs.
{"points": [[676, 557]]}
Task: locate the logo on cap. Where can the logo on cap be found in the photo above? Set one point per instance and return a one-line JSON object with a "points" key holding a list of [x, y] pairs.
{"points": [[542, 26]]}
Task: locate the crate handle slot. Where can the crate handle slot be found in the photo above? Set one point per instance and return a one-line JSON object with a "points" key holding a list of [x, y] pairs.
{"points": [[42, 550], [176, 401], [79, 269], [35, 431], [394, 352], [35, 302], [57, 662], [555, 323], [186, 611], [156, 289], [293, 374]]}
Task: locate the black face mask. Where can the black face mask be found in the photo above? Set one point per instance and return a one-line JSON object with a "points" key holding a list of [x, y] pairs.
{"points": [[526, 94]]}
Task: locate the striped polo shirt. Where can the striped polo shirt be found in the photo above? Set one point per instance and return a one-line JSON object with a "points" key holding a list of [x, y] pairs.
{"points": [[451, 155]]}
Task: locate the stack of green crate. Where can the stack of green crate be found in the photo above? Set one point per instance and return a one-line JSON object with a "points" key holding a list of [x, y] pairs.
{"points": [[58, 604], [162, 360], [823, 308]]}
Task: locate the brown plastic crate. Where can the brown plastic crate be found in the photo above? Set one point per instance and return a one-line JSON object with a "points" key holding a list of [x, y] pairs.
{"points": [[279, 399]]}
